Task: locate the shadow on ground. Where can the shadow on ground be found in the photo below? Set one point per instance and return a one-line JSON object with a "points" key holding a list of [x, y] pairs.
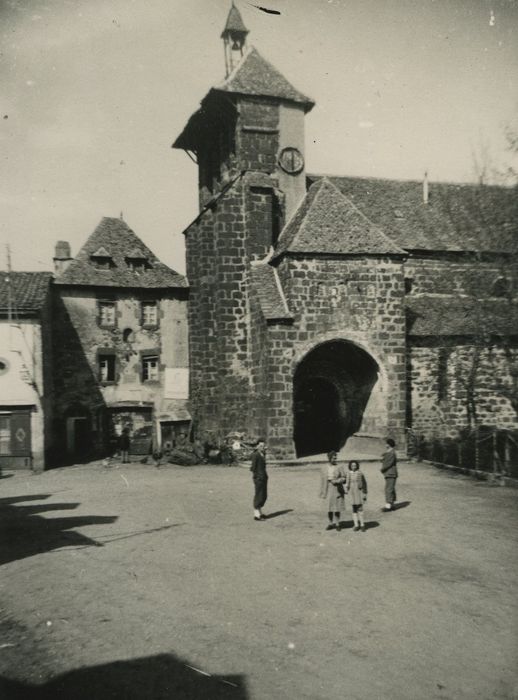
{"points": [[269, 516], [401, 504], [25, 533], [349, 524], [154, 678]]}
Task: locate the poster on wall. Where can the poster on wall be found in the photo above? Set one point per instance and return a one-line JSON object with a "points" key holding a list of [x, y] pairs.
{"points": [[176, 383]]}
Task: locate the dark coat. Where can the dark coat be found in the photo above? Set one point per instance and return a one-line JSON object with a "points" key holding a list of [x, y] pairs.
{"points": [[258, 467], [124, 442], [389, 464]]}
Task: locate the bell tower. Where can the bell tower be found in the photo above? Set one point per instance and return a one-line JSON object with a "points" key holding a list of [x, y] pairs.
{"points": [[234, 39], [247, 138]]}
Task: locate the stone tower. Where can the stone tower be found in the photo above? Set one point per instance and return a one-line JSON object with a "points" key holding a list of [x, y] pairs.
{"points": [[248, 140]]}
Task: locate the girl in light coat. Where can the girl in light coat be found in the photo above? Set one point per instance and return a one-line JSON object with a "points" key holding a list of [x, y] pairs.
{"points": [[356, 487]]}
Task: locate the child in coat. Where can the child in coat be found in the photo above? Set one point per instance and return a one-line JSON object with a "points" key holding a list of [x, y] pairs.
{"points": [[356, 487]]}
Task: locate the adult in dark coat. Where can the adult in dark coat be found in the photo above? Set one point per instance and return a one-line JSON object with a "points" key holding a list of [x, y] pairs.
{"points": [[260, 477], [389, 471], [124, 445]]}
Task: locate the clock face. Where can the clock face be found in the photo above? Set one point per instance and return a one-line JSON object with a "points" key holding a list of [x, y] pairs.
{"points": [[291, 160]]}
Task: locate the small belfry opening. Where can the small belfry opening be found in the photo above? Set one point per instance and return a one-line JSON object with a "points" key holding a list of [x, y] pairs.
{"points": [[331, 389]]}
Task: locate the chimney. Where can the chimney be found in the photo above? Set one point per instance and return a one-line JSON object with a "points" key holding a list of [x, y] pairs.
{"points": [[62, 257], [425, 188]]}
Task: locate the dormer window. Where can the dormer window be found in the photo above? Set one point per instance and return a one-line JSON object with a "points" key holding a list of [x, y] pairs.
{"points": [[102, 259], [137, 261]]}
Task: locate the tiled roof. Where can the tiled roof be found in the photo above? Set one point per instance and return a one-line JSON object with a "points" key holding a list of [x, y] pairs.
{"points": [[116, 238], [266, 283], [448, 315], [458, 217], [328, 222], [255, 76], [234, 22], [28, 290]]}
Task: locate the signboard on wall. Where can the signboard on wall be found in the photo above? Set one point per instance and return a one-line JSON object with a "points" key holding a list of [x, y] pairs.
{"points": [[176, 383]]}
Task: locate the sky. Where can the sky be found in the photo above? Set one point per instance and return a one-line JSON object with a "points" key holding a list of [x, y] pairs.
{"points": [[94, 92]]}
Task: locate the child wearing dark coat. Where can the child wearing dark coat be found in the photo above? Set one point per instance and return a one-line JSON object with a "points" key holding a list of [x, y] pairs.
{"points": [[356, 487]]}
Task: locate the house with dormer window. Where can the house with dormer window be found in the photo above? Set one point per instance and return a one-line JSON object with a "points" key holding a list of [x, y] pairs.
{"points": [[120, 344]]}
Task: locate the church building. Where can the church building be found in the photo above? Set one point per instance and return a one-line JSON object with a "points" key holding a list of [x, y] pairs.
{"points": [[326, 307]]}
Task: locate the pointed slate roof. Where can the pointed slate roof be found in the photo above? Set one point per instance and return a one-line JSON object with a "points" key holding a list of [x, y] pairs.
{"points": [[115, 236], [255, 76], [327, 222], [458, 217], [234, 22]]}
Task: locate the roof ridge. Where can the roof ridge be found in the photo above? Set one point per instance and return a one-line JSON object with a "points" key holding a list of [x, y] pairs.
{"points": [[325, 221]]}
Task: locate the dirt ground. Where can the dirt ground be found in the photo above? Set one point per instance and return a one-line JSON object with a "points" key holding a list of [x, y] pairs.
{"points": [[135, 582]]}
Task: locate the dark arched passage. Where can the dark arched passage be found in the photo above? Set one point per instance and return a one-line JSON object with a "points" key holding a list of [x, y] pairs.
{"points": [[331, 387]]}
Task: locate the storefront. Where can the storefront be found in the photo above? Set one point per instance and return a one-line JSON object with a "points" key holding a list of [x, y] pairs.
{"points": [[15, 437]]}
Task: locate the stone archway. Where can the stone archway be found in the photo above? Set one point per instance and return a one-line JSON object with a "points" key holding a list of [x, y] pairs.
{"points": [[332, 385]]}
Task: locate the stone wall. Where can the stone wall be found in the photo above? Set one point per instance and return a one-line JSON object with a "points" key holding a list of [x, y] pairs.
{"points": [[455, 384], [78, 339], [354, 300]]}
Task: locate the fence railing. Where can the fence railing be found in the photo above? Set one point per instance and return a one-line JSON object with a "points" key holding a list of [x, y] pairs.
{"points": [[484, 448]]}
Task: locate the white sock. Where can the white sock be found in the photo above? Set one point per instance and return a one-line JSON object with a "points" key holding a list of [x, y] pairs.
{"points": [[355, 519], [257, 513]]}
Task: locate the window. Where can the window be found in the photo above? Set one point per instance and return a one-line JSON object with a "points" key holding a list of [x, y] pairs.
{"points": [[106, 368], [136, 264], [102, 263], [5, 435], [137, 261], [150, 367], [102, 259], [107, 314], [149, 313]]}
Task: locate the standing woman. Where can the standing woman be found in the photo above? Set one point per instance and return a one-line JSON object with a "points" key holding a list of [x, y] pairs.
{"points": [[389, 471], [332, 487], [260, 478]]}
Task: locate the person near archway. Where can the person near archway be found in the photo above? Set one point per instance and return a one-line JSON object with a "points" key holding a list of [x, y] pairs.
{"points": [[356, 487], [124, 445], [260, 478], [389, 471], [332, 487]]}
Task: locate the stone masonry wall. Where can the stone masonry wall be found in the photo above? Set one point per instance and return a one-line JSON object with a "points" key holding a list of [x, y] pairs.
{"points": [[358, 300], [442, 375], [451, 383], [78, 339], [219, 248]]}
